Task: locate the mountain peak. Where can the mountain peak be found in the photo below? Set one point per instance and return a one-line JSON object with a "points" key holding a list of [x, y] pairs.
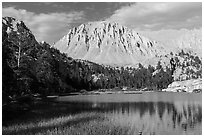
{"points": [[108, 43], [105, 26], [102, 23]]}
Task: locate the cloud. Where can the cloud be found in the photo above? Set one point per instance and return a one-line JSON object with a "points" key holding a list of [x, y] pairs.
{"points": [[48, 27], [155, 16]]}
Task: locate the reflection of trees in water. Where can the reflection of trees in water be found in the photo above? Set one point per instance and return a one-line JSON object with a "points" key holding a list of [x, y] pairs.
{"points": [[187, 114], [191, 111], [175, 115], [182, 114]]}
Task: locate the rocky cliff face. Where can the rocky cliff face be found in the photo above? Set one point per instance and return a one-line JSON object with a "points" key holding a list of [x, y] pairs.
{"points": [[109, 43]]}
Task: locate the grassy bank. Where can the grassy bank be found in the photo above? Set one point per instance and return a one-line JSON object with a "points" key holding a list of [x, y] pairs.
{"points": [[59, 124], [62, 119]]}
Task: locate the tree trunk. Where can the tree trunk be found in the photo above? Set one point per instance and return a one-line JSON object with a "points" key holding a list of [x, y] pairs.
{"points": [[19, 55]]}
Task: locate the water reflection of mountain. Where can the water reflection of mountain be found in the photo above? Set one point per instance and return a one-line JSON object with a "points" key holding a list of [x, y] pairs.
{"points": [[161, 115]]}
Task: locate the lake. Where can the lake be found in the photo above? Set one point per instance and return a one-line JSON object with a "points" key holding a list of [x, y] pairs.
{"points": [[147, 113], [110, 114]]}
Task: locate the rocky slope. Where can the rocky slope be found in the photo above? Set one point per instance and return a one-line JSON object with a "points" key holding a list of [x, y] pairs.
{"points": [[176, 40], [111, 44], [187, 67], [193, 85]]}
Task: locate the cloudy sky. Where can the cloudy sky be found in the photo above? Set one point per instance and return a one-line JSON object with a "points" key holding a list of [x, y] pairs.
{"points": [[50, 21]]}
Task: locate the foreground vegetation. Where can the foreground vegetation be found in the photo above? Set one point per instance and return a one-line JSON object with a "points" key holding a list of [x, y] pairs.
{"points": [[85, 123], [55, 119]]}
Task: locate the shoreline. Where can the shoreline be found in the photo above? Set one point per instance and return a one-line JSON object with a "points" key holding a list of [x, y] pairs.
{"points": [[115, 92]]}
